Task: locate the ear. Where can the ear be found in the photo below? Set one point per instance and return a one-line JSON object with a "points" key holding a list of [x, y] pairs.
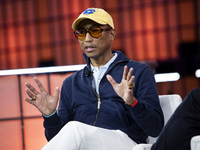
{"points": [[112, 34]]}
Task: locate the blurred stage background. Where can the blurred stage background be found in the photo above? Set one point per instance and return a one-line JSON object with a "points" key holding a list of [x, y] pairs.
{"points": [[36, 33]]}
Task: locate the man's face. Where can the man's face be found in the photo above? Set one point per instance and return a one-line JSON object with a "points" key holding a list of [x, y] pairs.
{"points": [[95, 48]]}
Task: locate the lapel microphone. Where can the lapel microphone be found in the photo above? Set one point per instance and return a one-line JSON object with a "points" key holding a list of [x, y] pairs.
{"points": [[87, 72]]}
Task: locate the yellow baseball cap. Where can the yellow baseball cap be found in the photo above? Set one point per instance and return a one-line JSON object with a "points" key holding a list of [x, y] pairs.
{"points": [[96, 14]]}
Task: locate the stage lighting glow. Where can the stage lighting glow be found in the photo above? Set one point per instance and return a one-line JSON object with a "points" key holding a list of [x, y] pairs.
{"points": [[197, 73], [167, 77], [164, 77], [42, 70]]}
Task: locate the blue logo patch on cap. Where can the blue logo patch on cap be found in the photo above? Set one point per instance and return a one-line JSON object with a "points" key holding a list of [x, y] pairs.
{"points": [[89, 11]]}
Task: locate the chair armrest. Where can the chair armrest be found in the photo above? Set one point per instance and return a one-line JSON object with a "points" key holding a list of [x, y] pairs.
{"points": [[195, 143], [142, 147]]}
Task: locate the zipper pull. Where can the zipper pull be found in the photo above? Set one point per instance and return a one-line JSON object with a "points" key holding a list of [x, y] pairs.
{"points": [[99, 102]]}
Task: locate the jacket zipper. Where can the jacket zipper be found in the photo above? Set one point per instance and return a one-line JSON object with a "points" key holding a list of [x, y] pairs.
{"points": [[99, 104], [98, 96]]}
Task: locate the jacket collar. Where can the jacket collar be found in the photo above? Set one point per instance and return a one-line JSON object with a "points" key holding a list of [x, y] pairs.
{"points": [[120, 57]]}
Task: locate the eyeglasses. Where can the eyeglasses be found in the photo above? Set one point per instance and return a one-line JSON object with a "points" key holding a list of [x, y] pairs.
{"points": [[93, 31]]}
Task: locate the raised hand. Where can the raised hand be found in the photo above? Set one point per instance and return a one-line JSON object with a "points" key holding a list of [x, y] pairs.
{"points": [[124, 89], [44, 102]]}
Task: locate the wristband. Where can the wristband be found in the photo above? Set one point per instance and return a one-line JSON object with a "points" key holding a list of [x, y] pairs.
{"points": [[51, 114], [134, 103]]}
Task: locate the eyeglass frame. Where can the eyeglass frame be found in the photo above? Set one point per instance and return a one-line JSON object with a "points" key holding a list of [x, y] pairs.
{"points": [[87, 31]]}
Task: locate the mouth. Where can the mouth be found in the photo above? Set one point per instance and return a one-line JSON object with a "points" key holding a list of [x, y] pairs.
{"points": [[89, 48]]}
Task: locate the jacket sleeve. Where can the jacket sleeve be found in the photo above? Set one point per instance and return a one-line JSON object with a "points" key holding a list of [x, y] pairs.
{"points": [[147, 112], [54, 123], [52, 126]]}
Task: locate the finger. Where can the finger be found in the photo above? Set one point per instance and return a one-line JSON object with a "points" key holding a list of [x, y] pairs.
{"points": [[39, 84], [129, 74], [111, 80], [125, 73], [32, 88], [56, 93], [30, 94], [130, 82], [29, 101]]}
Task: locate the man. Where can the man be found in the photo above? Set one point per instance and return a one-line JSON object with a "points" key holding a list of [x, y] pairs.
{"points": [[182, 126], [110, 104]]}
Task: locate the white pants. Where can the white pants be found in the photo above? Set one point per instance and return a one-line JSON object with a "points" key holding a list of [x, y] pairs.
{"points": [[79, 136]]}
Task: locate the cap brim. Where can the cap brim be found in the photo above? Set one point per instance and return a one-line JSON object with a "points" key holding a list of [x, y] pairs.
{"points": [[77, 21]]}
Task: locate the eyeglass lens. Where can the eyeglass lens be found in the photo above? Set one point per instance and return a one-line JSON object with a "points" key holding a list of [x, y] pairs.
{"points": [[94, 32]]}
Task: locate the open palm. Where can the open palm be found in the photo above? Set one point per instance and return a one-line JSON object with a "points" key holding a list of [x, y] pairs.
{"points": [[44, 102], [122, 89]]}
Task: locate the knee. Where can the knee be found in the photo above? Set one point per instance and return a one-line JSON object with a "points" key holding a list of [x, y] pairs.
{"points": [[73, 124], [75, 129]]}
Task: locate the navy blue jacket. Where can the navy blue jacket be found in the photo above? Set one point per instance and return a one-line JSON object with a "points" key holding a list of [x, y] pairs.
{"points": [[78, 101]]}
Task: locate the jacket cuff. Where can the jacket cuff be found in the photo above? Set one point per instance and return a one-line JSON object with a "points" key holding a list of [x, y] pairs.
{"points": [[52, 120], [137, 109]]}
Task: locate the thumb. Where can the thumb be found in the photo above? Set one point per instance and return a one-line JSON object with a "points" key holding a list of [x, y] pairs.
{"points": [[56, 93], [111, 80]]}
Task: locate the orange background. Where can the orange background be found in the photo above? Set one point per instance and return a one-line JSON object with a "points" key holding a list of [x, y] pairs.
{"points": [[34, 31]]}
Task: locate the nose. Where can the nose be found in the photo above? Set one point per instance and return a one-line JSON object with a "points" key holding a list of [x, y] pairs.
{"points": [[88, 37]]}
